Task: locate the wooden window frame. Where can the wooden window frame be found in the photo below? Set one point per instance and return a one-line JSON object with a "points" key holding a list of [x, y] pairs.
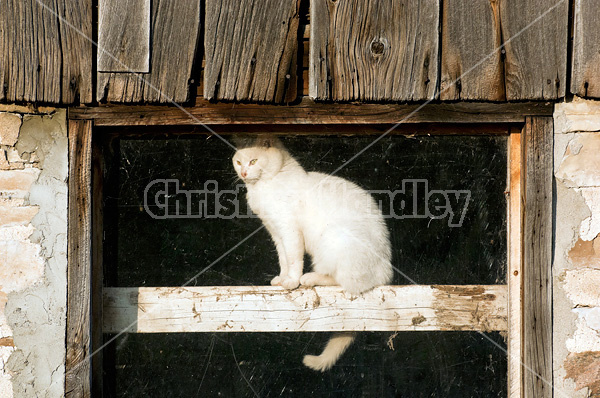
{"points": [[530, 142]]}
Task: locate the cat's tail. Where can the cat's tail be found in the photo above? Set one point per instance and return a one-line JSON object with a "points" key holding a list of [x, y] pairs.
{"points": [[334, 349]]}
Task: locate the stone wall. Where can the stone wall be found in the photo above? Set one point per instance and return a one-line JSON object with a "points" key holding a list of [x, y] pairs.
{"points": [[577, 249], [33, 259]]}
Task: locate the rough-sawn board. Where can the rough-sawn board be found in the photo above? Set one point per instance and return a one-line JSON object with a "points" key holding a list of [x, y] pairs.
{"points": [[585, 79], [46, 51], [251, 49], [175, 27], [324, 308], [374, 50], [124, 36]]}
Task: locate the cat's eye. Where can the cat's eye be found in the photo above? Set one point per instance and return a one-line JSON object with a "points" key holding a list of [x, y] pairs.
{"points": [[253, 162], [238, 162]]}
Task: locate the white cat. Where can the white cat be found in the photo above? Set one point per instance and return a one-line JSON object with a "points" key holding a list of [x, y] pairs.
{"points": [[332, 219]]}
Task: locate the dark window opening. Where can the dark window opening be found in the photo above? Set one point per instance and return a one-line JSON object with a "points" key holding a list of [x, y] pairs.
{"points": [[140, 250]]}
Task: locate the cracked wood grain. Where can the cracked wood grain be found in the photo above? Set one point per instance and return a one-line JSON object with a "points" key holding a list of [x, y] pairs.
{"points": [[374, 50], [324, 308], [251, 48]]}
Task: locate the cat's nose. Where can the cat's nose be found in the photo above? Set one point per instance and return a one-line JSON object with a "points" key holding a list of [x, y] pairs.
{"points": [[244, 173]]}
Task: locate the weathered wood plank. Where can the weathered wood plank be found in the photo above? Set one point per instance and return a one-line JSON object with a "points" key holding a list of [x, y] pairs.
{"points": [[97, 240], [515, 266], [311, 112], [585, 77], [272, 309], [124, 36], [78, 362], [250, 49], [76, 50], [536, 36], [537, 258], [175, 29], [374, 50], [45, 51], [472, 67]]}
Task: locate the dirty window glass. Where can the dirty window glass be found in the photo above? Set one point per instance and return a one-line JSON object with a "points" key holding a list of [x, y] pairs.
{"points": [[466, 246], [146, 245], [421, 364]]}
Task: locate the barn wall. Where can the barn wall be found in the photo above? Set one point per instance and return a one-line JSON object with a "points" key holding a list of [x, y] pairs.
{"points": [[400, 50], [33, 225], [577, 249]]}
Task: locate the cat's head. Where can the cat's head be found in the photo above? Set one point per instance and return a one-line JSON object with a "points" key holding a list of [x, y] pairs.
{"points": [[263, 158]]}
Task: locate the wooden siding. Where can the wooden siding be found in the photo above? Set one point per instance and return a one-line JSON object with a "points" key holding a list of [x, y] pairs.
{"points": [[374, 50], [535, 33], [258, 51], [585, 79], [504, 50], [251, 50], [175, 28], [44, 54], [472, 67], [124, 36]]}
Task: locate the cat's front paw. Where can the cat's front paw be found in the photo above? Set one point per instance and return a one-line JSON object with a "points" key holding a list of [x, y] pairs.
{"points": [[276, 281], [309, 279], [290, 283]]}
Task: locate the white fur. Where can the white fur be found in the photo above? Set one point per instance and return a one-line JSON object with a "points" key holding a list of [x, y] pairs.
{"points": [[332, 219]]}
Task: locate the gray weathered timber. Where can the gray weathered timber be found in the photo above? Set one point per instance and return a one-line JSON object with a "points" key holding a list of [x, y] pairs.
{"points": [[311, 112], [97, 266], [472, 68], [537, 257], [250, 50], [585, 78], [175, 28], [123, 36], [374, 50], [535, 34], [44, 53], [322, 308], [78, 361]]}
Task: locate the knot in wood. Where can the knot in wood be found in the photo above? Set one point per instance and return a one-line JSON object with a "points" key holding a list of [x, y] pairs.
{"points": [[378, 47]]}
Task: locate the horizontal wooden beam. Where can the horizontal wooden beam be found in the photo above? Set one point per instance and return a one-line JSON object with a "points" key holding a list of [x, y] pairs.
{"points": [[324, 308], [311, 112], [227, 130]]}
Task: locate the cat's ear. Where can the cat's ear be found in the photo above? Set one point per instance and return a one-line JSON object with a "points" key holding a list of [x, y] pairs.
{"points": [[242, 141], [265, 141]]}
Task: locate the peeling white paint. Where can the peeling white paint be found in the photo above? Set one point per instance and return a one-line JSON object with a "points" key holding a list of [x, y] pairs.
{"points": [[576, 290], [580, 164], [584, 339], [5, 379], [590, 227], [591, 316], [582, 287], [578, 115]]}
